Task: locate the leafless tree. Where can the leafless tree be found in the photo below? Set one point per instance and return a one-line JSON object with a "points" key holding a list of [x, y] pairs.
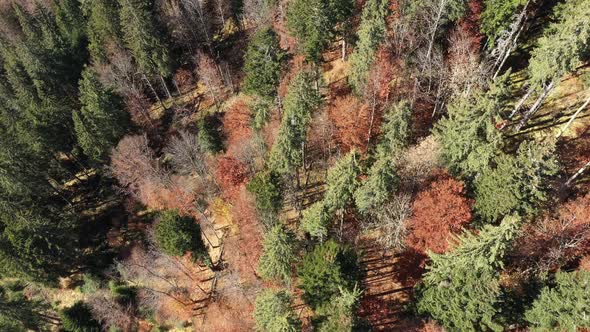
{"points": [[110, 313], [389, 222], [186, 155], [209, 73], [133, 162], [119, 72]]}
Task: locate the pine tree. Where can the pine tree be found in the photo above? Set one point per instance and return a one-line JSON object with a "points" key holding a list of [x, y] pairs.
{"points": [[562, 306], [468, 134], [262, 64], [101, 121], [277, 254], [371, 33], [461, 289], [273, 312], [517, 183], [301, 100]]}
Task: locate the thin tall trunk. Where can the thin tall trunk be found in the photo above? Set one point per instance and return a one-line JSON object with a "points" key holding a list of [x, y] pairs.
{"points": [[165, 87], [521, 102], [152, 89], [577, 174], [569, 123], [536, 105], [343, 49], [511, 41]]}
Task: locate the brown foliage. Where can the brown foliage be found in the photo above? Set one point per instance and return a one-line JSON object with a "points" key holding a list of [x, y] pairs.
{"points": [[138, 106], [438, 211], [230, 174], [237, 125], [351, 120], [470, 23], [584, 264], [555, 240], [184, 79], [133, 163], [432, 326], [109, 312], [243, 248], [209, 74]]}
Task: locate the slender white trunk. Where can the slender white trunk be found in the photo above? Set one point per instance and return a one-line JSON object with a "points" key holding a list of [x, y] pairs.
{"points": [[165, 87], [536, 105], [577, 174], [569, 123], [521, 102]]}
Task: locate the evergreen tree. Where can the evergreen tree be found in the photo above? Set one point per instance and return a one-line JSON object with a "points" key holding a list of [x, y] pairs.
{"points": [[78, 318], [564, 305], [262, 64], [468, 134], [461, 289], [277, 254], [309, 21], [339, 315], [497, 17], [316, 220], [396, 128], [143, 38], [71, 23], [17, 312], [266, 188], [301, 100], [380, 184], [342, 182], [326, 269], [177, 235], [273, 313], [101, 121], [102, 27], [517, 183], [371, 33]]}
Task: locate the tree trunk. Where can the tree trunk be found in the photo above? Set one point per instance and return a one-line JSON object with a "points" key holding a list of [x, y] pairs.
{"points": [[536, 106], [569, 123], [511, 41], [577, 174], [343, 49], [165, 87], [153, 90], [521, 102]]}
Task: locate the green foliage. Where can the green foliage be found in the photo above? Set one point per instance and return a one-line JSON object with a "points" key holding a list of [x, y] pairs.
{"points": [[342, 182], [339, 315], [301, 100], [564, 44], [273, 313], [121, 292], [19, 313], [371, 33], [326, 269], [517, 183], [262, 64], [277, 254], [261, 109], [102, 27], [70, 21], [381, 182], [468, 134], [176, 235], [143, 37], [461, 288], [308, 21], [91, 284], [316, 220], [78, 318], [396, 128], [497, 17], [208, 135], [101, 121], [266, 188], [563, 306]]}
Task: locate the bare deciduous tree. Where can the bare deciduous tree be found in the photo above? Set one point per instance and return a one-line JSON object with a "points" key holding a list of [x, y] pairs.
{"points": [[389, 222]]}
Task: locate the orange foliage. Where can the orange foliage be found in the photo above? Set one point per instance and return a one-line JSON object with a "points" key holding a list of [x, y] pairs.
{"points": [[243, 249], [381, 75], [432, 326], [470, 23], [231, 313], [351, 120], [184, 79], [236, 125], [438, 211], [584, 263], [556, 240], [230, 174], [179, 194]]}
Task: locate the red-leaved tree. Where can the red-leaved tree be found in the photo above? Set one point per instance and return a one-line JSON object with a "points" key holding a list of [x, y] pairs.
{"points": [[438, 211]]}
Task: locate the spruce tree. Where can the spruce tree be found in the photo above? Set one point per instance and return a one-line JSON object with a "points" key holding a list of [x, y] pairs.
{"points": [[517, 183], [381, 182], [101, 121], [277, 254], [339, 315], [176, 235], [342, 182], [396, 128], [266, 188], [468, 134], [273, 312], [316, 220], [102, 27], [309, 21], [262, 64], [563, 305], [325, 270], [301, 101], [371, 33], [461, 288], [143, 37]]}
